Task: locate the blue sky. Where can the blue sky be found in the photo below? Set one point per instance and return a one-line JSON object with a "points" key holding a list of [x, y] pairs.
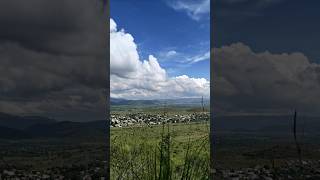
{"points": [[274, 25], [173, 31]]}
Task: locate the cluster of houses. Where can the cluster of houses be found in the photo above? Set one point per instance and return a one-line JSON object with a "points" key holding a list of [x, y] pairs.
{"points": [[141, 119], [92, 171]]}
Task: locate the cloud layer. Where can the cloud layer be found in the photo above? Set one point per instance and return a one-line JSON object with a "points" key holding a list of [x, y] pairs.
{"points": [[133, 78], [250, 82], [53, 58], [235, 10]]}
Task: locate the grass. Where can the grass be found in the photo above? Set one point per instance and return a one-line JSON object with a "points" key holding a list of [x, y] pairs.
{"points": [[243, 150], [163, 152], [49, 153], [156, 109]]}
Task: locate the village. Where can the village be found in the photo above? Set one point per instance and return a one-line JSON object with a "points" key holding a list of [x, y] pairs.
{"points": [[142, 119]]}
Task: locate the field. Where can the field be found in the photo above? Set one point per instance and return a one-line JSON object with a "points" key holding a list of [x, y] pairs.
{"points": [[155, 109], [251, 149], [171, 151], [52, 158], [33, 147], [261, 155]]}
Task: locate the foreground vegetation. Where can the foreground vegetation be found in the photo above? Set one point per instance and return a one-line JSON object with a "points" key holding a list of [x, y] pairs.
{"points": [[53, 159], [162, 152], [254, 155]]}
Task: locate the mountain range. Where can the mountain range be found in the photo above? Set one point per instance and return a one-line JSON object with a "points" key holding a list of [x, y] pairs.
{"points": [[161, 102], [25, 127], [266, 123]]}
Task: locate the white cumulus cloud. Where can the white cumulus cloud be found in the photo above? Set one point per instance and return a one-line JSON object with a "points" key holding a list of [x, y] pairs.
{"points": [[133, 78]]}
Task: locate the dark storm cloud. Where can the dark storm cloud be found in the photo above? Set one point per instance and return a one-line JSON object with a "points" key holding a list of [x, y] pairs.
{"points": [[53, 56], [242, 8], [278, 26], [252, 82], [60, 26]]}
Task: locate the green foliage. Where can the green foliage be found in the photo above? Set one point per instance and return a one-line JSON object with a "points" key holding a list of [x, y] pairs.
{"points": [[167, 152]]}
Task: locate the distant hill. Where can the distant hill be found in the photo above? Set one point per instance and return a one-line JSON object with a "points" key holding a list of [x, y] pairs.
{"points": [[115, 101], [69, 129], [22, 122], [8, 133], [160, 102], [23, 127], [266, 123]]}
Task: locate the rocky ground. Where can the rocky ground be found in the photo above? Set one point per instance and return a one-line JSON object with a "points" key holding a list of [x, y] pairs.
{"points": [[305, 170], [93, 171]]}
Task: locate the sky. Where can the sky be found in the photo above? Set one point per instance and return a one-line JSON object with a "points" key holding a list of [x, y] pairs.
{"points": [[274, 25], [159, 49], [53, 59], [53, 55], [266, 57]]}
